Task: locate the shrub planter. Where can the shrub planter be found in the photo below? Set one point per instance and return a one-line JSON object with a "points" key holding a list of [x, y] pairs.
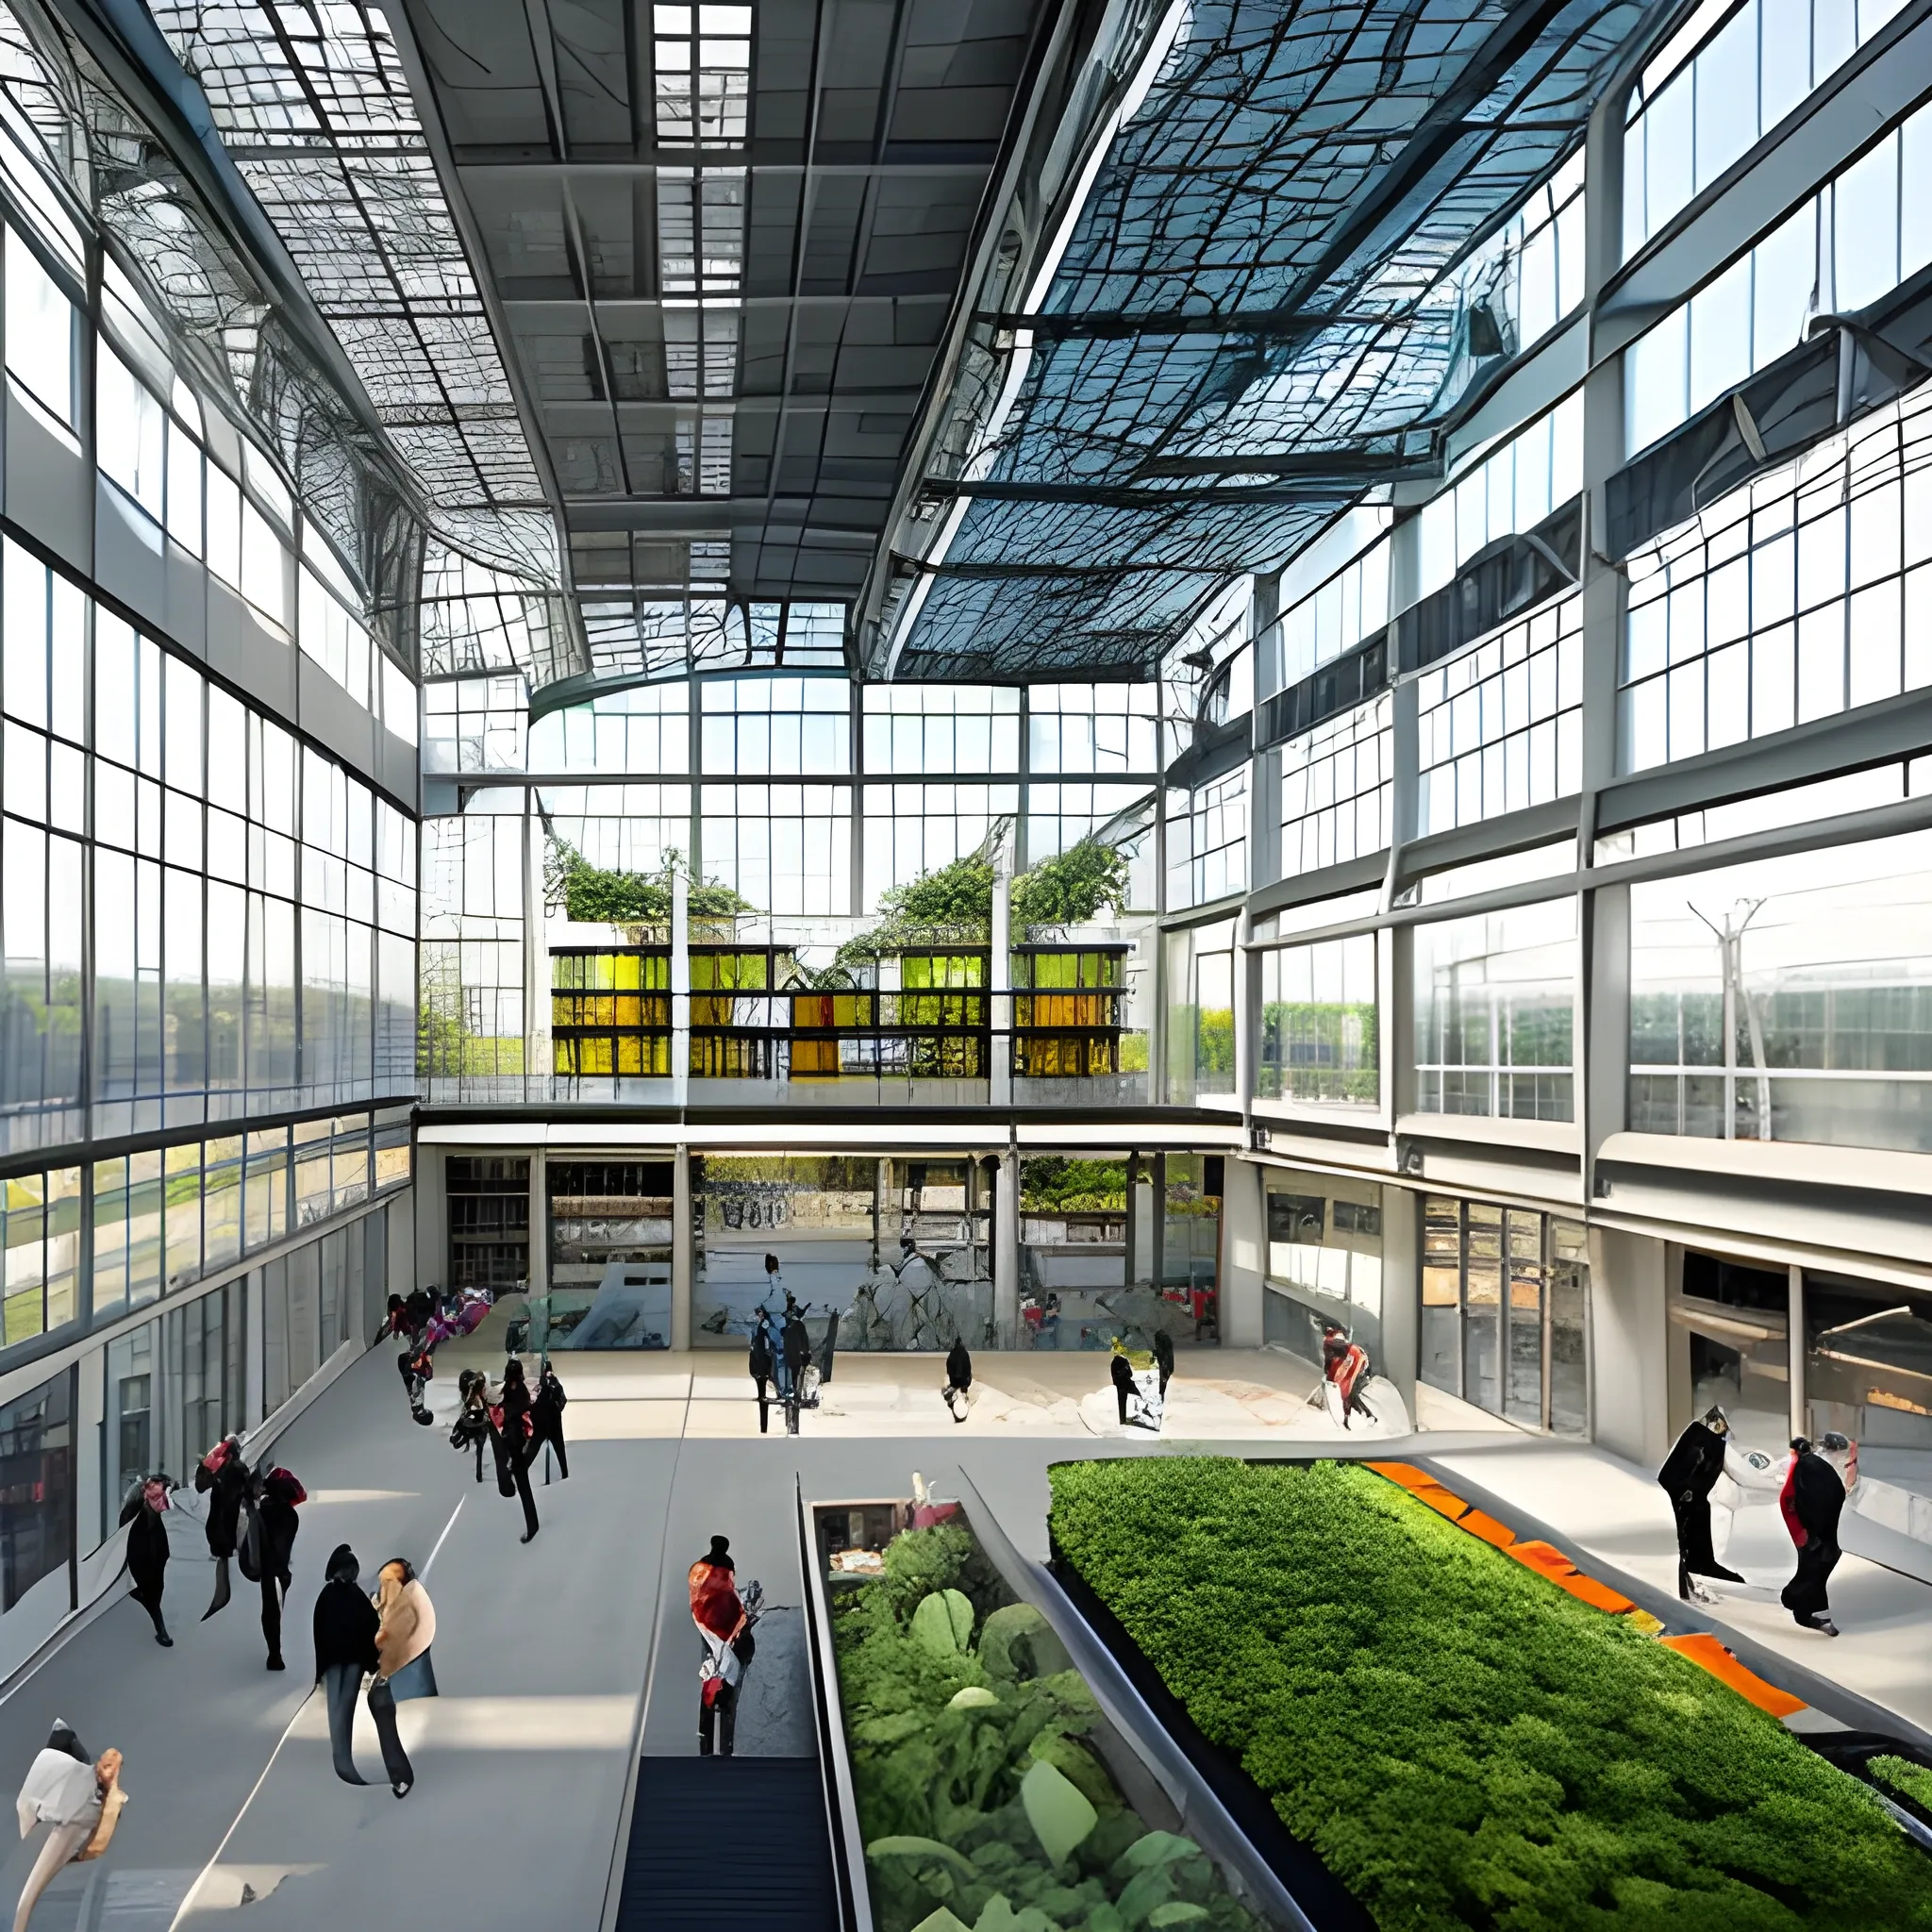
{"points": [[1458, 1741]]}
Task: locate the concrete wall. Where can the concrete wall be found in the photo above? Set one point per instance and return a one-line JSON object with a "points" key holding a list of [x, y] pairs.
{"points": [[1242, 1255], [1628, 1334]]}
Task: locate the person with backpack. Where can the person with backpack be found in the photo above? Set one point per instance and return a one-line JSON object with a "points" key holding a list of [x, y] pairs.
{"points": [[510, 1431], [471, 1429], [761, 1373], [958, 1378], [269, 1547], [546, 1419], [719, 1613], [147, 1548], [226, 1481], [1164, 1361]]}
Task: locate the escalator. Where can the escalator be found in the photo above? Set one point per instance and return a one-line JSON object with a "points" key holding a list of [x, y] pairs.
{"points": [[729, 1842]]}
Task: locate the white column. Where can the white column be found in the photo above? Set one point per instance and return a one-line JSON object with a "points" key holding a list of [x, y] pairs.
{"points": [[1629, 1335], [1241, 1287], [1006, 1251], [1796, 1319], [1402, 1290], [681, 988], [683, 1257], [537, 1269], [1000, 976]]}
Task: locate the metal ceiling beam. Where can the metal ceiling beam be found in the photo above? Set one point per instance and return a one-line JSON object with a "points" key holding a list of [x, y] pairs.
{"points": [[1122, 324]]}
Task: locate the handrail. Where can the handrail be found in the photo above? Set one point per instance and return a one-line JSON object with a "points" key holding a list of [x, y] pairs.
{"points": [[841, 1803]]}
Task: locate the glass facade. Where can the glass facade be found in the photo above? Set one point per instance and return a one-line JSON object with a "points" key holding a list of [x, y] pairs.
{"points": [[1496, 1000], [1325, 1261], [1787, 1000]]}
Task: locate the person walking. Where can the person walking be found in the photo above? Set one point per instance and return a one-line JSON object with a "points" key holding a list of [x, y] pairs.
{"points": [[1811, 1501], [1122, 1370], [1690, 1474], [958, 1378], [269, 1548], [513, 1428], [405, 1627], [345, 1626], [147, 1548], [761, 1371], [471, 1429], [78, 1802], [769, 1319], [795, 1346], [719, 1613], [546, 1416], [224, 1479], [1164, 1361]]}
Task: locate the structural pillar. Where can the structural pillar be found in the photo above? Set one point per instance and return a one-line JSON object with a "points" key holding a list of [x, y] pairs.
{"points": [[1402, 1290], [1006, 1251], [683, 1249], [1795, 1322], [537, 1266]]}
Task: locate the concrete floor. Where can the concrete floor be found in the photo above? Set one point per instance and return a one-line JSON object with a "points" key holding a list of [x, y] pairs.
{"points": [[553, 1660]]}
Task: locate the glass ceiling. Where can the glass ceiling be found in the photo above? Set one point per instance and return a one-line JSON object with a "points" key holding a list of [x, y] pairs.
{"points": [[313, 107], [1291, 267]]}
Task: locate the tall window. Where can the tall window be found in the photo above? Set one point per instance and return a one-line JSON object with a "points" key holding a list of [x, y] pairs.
{"points": [[1494, 1013]]}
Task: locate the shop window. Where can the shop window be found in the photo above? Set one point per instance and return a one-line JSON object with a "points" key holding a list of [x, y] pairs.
{"points": [[36, 1487], [610, 1242], [488, 1201], [1505, 1312], [1868, 1374], [901, 1250], [1324, 1264]]}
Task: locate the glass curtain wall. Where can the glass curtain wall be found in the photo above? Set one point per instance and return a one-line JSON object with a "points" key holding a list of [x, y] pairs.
{"points": [[1505, 1312], [1320, 1035], [611, 1239], [1789, 999], [1496, 1000]]}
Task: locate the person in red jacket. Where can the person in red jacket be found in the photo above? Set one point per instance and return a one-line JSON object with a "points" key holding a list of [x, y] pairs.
{"points": [[718, 1611], [1813, 1498]]}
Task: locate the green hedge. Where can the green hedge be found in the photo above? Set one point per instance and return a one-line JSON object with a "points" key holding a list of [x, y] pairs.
{"points": [[1462, 1744]]}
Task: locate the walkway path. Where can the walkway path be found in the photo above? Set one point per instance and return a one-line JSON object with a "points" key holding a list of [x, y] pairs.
{"points": [[555, 1659]]}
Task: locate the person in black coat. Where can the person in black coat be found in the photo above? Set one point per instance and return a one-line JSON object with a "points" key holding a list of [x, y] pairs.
{"points": [[1163, 1359], [147, 1548], [958, 1378], [270, 1548], [226, 1481], [546, 1419], [1812, 1500], [762, 1369], [512, 1444], [471, 1429], [345, 1627], [1690, 1474], [1122, 1371]]}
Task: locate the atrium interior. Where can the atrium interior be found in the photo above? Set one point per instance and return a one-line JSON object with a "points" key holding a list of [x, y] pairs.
{"points": [[1208, 721]]}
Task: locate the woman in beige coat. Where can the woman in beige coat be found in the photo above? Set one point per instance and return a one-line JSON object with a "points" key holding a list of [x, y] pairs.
{"points": [[403, 1668]]}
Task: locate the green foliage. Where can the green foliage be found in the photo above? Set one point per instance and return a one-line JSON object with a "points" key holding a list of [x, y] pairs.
{"points": [[1903, 1779], [1462, 1744], [1053, 1184], [603, 897], [1076, 885], [982, 1803], [952, 903]]}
